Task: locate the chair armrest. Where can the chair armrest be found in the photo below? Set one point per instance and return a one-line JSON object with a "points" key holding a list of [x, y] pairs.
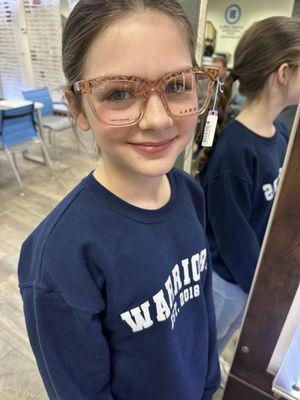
{"points": [[60, 108]]}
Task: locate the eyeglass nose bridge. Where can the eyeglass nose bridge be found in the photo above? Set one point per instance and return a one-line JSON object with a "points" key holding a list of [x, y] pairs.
{"points": [[151, 87]]}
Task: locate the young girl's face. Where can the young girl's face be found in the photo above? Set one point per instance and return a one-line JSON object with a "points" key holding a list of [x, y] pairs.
{"points": [[146, 45]]}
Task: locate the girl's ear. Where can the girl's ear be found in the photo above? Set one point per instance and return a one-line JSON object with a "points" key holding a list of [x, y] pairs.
{"points": [[283, 73], [76, 110]]}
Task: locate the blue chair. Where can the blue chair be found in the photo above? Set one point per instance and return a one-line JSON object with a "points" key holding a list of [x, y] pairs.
{"points": [[54, 123], [17, 133]]}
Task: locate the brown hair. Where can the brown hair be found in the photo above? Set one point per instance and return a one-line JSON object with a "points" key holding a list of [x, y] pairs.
{"points": [[89, 17], [264, 46], [221, 59]]}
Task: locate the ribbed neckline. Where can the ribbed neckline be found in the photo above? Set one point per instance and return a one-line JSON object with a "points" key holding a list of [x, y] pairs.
{"points": [[115, 203]]}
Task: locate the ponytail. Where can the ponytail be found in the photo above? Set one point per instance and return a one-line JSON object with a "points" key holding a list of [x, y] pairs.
{"points": [[223, 117]]}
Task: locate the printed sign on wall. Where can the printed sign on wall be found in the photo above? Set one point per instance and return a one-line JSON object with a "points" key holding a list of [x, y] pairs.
{"points": [[232, 29]]}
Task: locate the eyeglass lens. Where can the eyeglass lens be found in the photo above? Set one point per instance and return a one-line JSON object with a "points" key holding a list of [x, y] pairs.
{"points": [[120, 102], [186, 93]]}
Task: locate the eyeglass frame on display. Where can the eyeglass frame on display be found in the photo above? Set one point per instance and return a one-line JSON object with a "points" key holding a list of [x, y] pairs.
{"points": [[85, 87]]}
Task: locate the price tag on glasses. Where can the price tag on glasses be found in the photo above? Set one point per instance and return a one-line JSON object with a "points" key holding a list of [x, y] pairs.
{"points": [[210, 128], [212, 119]]}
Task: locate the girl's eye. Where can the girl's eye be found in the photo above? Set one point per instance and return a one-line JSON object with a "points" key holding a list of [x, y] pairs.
{"points": [[118, 95]]}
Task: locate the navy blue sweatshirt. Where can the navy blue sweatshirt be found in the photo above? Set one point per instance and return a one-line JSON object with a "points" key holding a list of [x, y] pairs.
{"points": [[240, 182], [117, 299]]}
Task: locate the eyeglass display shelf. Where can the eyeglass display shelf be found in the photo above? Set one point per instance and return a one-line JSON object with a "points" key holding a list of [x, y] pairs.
{"points": [[286, 384]]}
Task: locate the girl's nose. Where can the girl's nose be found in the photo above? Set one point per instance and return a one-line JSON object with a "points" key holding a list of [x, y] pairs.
{"points": [[156, 116]]}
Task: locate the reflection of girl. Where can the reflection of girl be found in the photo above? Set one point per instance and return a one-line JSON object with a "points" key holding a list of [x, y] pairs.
{"points": [[241, 175], [116, 289]]}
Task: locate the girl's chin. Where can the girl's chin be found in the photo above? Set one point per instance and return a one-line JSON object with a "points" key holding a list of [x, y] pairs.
{"points": [[157, 169]]}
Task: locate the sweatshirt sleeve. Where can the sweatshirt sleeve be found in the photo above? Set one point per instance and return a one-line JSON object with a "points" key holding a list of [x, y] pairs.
{"points": [[229, 208], [213, 373], [71, 352]]}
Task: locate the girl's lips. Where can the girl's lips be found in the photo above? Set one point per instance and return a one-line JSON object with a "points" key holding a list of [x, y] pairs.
{"points": [[153, 147]]}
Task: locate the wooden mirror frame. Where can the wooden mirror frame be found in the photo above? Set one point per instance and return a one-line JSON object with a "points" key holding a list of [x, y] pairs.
{"points": [[275, 284]]}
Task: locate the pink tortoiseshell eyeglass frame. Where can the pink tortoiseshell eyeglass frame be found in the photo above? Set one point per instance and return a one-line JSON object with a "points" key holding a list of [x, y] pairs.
{"points": [[85, 87]]}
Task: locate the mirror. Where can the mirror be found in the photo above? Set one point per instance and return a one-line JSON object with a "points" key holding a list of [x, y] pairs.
{"points": [[210, 36], [224, 27], [265, 365]]}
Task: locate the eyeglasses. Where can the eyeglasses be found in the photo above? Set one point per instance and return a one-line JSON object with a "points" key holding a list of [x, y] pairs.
{"points": [[122, 100]]}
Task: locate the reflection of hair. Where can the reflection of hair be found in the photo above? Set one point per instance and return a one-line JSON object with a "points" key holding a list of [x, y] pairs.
{"points": [[90, 17], [264, 46], [220, 59], [208, 50]]}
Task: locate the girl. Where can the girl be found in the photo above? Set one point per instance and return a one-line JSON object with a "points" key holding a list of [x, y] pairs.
{"points": [[115, 281], [241, 176]]}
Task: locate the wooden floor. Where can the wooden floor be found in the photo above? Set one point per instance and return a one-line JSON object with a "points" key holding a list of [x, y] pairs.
{"points": [[19, 378]]}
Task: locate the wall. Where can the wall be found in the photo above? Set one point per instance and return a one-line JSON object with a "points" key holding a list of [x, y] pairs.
{"points": [[64, 8], [296, 11], [229, 34], [192, 8]]}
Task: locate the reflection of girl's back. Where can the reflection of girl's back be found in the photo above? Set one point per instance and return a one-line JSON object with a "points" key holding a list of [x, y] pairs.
{"points": [[241, 176]]}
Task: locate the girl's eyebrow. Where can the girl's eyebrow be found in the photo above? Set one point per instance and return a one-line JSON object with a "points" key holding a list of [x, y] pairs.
{"points": [[132, 76]]}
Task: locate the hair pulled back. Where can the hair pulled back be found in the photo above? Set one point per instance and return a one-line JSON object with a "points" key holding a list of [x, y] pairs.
{"points": [[262, 49], [90, 17], [265, 46]]}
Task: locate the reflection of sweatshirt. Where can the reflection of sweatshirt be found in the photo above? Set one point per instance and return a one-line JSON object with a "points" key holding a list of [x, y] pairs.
{"points": [[240, 182], [118, 299]]}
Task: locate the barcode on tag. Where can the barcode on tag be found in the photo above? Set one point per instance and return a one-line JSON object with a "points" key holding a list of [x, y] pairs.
{"points": [[210, 129]]}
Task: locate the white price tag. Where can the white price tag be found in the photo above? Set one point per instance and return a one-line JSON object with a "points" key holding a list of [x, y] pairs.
{"points": [[210, 128]]}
